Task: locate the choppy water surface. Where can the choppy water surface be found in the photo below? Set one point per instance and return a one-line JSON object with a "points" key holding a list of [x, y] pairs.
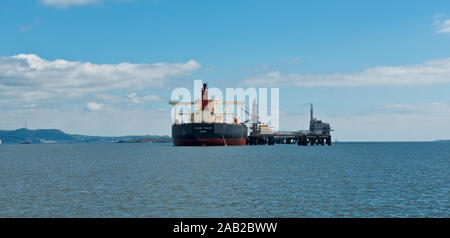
{"points": [[160, 180]]}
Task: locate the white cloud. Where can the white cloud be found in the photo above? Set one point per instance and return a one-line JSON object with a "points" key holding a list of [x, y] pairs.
{"points": [[142, 99], [442, 25], [433, 107], [132, 95], [431, 72], [93, 106], [151, 98], [29, 26], [130, 98], [68, 3], [27, 77], [294, 60], [30, 106]]}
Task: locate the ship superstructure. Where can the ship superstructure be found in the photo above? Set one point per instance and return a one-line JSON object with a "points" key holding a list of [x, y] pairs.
{"points": [[207, 125]]}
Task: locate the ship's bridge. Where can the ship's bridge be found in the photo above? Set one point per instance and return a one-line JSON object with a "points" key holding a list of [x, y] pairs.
{"points": [[206, 110]]}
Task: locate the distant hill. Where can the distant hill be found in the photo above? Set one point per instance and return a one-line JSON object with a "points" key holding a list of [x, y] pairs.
{"points": [[57, 136], [162, 139], [35, 136], [442, 141]]}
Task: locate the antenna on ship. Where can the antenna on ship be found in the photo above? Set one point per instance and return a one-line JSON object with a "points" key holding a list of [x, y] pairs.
{"points": [[311, 120]]}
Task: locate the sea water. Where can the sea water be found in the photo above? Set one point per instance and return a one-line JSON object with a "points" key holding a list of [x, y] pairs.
{"points": [[410, 179]]}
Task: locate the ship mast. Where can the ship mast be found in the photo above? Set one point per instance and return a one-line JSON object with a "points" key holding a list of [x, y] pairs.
{"points": [[311, 123], [204, 99]]}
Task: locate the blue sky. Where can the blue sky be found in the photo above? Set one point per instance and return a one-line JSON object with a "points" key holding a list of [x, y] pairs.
{"points": [[375, 70]]}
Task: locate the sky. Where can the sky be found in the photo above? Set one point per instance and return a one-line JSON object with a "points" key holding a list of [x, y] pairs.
{"points": [[375, 70]]}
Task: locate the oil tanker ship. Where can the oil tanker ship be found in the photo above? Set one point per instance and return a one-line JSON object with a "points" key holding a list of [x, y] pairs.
{"points": [[207, 126]]}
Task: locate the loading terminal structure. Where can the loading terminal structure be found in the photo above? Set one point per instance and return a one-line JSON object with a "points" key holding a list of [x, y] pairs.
{"points": [[319, 133]]}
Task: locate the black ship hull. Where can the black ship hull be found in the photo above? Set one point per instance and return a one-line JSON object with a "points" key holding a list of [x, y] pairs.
{"points": [[208, 134]]}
